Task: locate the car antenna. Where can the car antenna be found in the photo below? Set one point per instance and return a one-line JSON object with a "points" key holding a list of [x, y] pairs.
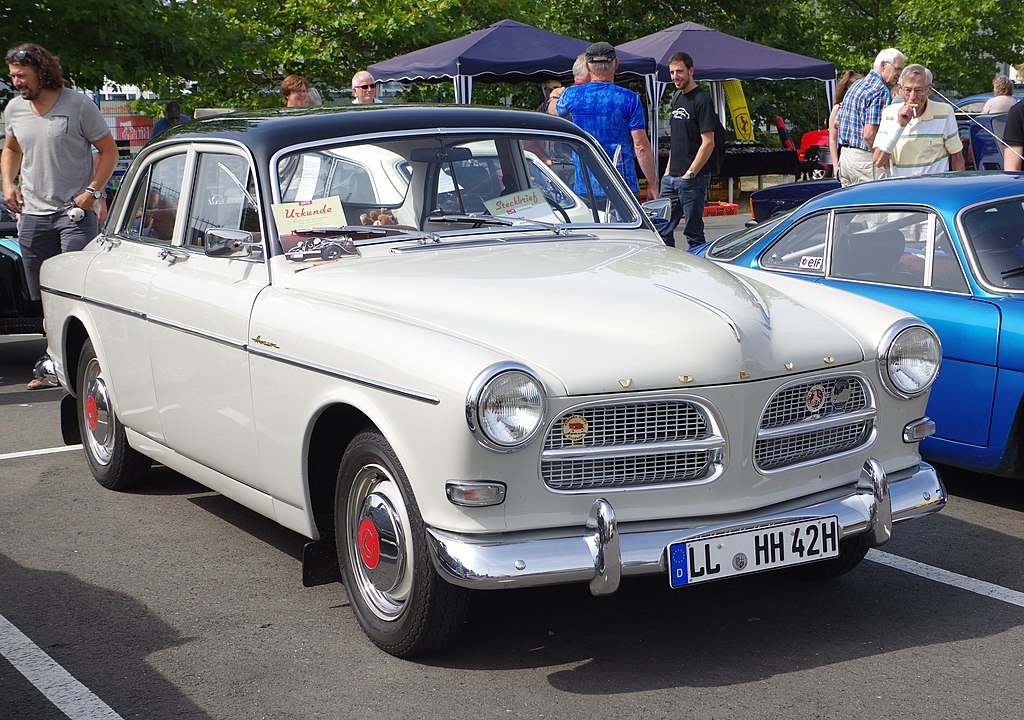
{"points": [[971, 118]]}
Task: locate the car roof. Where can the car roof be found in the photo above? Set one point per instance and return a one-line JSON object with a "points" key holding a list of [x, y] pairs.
{"points": [[1017, 93], [948, 191], [267, 131]]}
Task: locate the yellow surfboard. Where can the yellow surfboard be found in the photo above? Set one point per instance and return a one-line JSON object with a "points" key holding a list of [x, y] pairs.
{"points": [[738, 109]]}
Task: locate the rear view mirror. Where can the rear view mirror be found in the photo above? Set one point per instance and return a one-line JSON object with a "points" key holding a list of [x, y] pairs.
{"points": [[441, 154]]}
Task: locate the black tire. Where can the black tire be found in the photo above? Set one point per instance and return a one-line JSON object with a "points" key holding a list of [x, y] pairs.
{"points": [[113, 462], [400, 601], [851, 552]]}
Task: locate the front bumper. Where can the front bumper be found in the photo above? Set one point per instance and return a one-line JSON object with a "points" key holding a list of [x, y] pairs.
{"points": [[601, 553]]}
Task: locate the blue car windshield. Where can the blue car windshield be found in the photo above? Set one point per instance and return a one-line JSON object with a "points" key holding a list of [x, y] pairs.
{"points": [[995, 234], [735, 244]]}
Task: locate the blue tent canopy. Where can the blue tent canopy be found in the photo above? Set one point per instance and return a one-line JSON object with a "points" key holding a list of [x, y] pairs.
{"points": [[507, 51], [718, 56]]}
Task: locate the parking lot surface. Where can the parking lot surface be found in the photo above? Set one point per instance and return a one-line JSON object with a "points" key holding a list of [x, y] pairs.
{"points": [[173, 602]]}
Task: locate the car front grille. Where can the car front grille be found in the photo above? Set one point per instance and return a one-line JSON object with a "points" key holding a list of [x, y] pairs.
{"points": [[625, 445], [812, 419]]}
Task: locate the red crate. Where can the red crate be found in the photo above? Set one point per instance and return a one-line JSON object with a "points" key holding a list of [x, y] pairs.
{"points": [[718, 209]]}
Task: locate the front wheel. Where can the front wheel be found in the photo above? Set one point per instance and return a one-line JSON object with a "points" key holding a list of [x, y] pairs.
{"points": [[113, 462], [400, 601]]}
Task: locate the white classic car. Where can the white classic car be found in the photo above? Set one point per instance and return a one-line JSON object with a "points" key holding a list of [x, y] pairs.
{"points": [[385, 329]]}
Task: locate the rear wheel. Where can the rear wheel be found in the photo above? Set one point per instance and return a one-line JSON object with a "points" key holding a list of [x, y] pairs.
{"points": [[400, 601], [113, 462]]}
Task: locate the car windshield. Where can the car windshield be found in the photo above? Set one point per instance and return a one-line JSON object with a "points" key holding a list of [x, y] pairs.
{"points": [[436, 183], [731, 246], [995, 234]]}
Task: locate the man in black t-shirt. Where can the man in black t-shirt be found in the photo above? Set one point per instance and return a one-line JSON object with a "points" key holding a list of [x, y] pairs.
{"points": [[1013, 136], [688, 175]]}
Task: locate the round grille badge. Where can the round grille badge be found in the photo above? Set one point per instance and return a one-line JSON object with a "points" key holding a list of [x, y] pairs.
{"points": [[575, 427], [739, 561], [815, 399], [369, 544], [841, 393]]}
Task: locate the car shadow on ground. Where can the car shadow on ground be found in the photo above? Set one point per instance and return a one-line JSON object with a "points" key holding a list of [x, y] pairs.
{"points": [[101, 637], [647, 636]]}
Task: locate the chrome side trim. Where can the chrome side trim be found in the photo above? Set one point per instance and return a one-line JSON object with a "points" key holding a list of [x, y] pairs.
{"points": [[196, 332], [259, 351], [603, 550], [349, 377]]}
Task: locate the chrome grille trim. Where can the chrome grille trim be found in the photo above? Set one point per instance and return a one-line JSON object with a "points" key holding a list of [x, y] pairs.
{"points": [[656, 442], [790, 435]]}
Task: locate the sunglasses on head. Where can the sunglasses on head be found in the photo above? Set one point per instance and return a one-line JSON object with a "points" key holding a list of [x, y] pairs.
{"points": [[363, 87], [18, 55]]}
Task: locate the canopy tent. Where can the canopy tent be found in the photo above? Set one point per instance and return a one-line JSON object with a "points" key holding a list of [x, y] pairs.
{"points": [[507, 51], [718, 57]]}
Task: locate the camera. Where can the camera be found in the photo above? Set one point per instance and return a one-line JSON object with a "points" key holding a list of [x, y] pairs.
{"points": [[76, 213]]}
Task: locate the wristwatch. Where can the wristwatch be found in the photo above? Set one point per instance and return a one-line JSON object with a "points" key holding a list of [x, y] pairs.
{"points": [[97, 194], [688, 175]]}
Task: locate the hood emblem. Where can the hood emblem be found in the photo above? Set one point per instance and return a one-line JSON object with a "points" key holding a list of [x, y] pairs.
{"points": [[625, 382], [685, 378], [744, 375], [575, 427], [829, 359], [789, 366]]}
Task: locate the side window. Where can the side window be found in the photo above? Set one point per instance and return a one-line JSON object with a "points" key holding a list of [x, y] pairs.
{"points": [[946, 271], [153, 208], [892, 248], [223, 196], [801, 249]]}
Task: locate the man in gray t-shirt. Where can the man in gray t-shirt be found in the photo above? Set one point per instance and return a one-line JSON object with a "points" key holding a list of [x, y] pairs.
{"points": [[51, 132]]}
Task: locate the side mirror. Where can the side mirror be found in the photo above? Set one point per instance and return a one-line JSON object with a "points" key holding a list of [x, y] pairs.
{"points": [[223, 242], [658, 211]]}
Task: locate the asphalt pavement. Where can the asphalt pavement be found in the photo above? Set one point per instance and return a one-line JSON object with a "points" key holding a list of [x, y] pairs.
{"points": [[171, 601]]}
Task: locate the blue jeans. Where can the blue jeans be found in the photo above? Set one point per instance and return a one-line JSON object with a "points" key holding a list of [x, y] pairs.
{"points": [[43, 236], [688, 199]]}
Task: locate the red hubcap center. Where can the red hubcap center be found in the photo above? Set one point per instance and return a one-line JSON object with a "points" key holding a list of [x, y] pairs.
{"points": [[369, 544], [91, 415]]}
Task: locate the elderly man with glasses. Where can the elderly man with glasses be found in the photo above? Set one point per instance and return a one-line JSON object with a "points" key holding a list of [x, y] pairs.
{"points": [[860, 114], [364, 89], [918, 136]]}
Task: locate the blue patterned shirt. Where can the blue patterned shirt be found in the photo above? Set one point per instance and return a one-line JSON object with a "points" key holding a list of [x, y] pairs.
{"points": [[609, 113], [863, 105]]}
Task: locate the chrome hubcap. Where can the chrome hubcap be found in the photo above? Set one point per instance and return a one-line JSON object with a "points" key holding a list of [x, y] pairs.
{"points": [[378, 547], [100, 423]]}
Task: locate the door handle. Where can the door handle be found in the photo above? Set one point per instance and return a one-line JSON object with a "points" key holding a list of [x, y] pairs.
{"points": [[172, 256]]}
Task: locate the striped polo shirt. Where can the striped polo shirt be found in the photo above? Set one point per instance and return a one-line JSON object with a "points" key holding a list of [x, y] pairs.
{"points": [[924, 145]]}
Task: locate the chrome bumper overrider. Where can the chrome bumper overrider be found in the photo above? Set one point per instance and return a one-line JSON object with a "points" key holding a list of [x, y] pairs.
{"points": [[601, 553]]}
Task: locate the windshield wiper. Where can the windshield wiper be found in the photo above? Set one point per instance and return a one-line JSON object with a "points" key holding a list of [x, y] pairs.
{"points": [[499, 220], [1012, 272], [367, 232]]}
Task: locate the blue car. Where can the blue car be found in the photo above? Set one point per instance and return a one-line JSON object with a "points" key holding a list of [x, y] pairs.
{"points": [[948, 248]]}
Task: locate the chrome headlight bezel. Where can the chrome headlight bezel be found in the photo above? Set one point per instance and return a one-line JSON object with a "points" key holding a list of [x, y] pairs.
{"points": [[525, 391], [913, 341]]}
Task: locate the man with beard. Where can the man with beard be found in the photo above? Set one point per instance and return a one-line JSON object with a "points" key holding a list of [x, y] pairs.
{"points": [[51, 131]]}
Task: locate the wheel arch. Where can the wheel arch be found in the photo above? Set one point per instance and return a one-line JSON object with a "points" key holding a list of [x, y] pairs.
{"points": [[331, 433], [75, 335]]}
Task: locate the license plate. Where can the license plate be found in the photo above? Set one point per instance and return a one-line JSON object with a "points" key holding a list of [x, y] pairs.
{"points": [[748, 551]]}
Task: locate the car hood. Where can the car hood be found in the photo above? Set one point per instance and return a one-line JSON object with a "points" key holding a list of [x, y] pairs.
{"points": [[602, 317]]}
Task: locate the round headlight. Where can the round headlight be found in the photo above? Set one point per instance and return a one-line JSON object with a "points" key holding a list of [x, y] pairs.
{"points": [[910, 362], [507, 409]]}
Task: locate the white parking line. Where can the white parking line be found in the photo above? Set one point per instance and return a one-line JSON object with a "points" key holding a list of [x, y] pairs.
{"points": [[996, 592], [44, 451], [70, 696]]}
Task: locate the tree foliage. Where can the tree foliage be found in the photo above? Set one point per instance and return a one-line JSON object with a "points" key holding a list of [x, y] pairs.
{"points": [[235, 52]]}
